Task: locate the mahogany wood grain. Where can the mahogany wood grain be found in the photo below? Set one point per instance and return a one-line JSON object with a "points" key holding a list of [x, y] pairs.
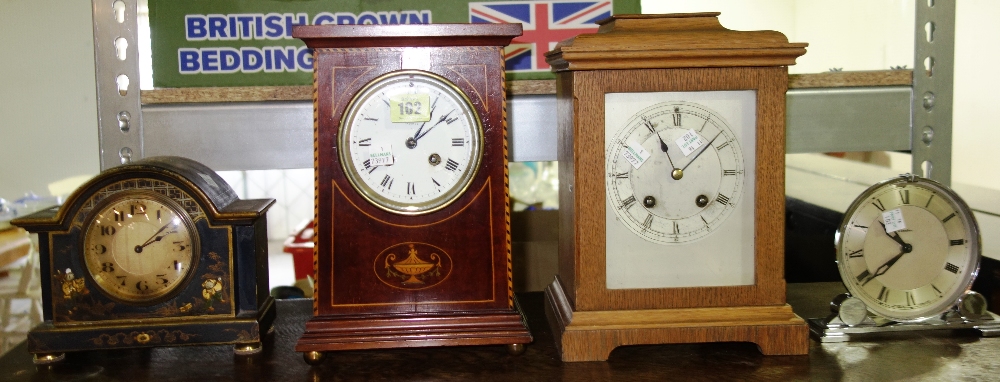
{"points": [[473, 303]]}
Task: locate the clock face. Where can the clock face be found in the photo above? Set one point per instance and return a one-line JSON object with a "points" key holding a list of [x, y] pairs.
{"points": [[139, 247], [908, 248], [691, 181], [411, 142], [679, 170]]}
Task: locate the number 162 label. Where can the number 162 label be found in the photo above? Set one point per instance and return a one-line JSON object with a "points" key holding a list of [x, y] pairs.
{"points": [[409, 108]]}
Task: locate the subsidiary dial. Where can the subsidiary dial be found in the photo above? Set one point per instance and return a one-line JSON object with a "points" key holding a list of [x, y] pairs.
{"points": [[689, 183], [411, 142]]}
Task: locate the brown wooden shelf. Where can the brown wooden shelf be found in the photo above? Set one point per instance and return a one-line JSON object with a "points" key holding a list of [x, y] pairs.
{"points": [[304, 93]]}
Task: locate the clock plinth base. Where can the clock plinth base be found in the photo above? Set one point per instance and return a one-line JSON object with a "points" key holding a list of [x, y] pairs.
{"points": [[592, 335], [383, 331], [47, 339]]}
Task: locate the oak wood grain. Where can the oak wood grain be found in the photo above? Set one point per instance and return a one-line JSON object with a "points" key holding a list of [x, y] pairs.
{"points": [[584, 210], [693, 40], [517, 87], [672, 53], [592, 335]]}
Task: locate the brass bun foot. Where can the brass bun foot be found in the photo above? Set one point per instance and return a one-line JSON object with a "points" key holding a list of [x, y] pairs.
{"points": [[47, 358], [248, 349], [313, 357], [515, 349]]}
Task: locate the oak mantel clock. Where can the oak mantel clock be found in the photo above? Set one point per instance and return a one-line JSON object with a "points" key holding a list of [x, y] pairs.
{"points": [[412, 214], [671, 166], [159, 252]]}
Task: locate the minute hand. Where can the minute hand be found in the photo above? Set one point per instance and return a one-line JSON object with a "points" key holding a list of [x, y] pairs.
{"points": [[703, 148], [442, 119]]}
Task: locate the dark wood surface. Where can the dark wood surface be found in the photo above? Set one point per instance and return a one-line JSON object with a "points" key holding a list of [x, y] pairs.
{"points": [[919, 356]]}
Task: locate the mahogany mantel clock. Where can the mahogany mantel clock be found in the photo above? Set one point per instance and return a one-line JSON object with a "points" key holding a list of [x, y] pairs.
{"points": [[159, 252], [671, 166], [412, 215]]}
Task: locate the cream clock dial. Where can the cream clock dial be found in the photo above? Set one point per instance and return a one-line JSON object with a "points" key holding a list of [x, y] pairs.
{"points": [[410, 142], [683, 191], [678, 168], [909, 248], [139, 247]]}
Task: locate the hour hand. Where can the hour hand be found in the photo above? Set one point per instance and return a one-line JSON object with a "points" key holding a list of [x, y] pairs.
{"points": [[664, 148], [893, 236]]}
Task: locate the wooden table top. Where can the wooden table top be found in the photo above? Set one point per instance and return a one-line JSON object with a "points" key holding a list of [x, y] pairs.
{"points": [[911, 356]]}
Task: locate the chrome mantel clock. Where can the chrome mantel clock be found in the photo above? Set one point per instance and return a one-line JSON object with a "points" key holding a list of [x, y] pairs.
{"points": [[908, 251]]}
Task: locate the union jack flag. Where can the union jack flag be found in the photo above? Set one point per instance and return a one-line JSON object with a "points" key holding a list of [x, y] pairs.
{"points": [[546, 23]]}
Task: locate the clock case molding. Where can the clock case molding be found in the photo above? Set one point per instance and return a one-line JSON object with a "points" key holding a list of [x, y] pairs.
{"points": [[354, 307], [647, 53], [233, 242]]}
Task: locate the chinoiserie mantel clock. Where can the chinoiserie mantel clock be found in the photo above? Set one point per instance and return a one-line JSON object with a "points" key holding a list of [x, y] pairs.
{"points": [[412, 214], [671, 165], [159, 252]]}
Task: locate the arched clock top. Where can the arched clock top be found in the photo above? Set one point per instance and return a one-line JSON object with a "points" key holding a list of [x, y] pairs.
{"points": [[168, 175]]}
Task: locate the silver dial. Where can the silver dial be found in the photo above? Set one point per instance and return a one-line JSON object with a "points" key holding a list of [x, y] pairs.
{"points": [[410, 142], [691, 181], [911, 273]]}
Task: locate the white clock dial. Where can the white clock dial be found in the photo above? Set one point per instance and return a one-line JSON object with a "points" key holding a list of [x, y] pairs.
{"points": [[912, 272], [681, 217], [139, 247], [678, 194], [410, 142]]}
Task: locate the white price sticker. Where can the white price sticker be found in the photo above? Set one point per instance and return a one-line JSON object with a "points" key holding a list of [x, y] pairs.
{"points": [[689, 142], [635, 154], [380, 154], [893, 220]]}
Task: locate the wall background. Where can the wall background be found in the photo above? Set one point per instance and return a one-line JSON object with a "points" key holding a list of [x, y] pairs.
{"points": [[48, 98], [48, 119]]}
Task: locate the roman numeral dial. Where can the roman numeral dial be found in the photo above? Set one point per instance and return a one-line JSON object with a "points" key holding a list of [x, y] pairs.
{"points": [[917, 251], [411, 142], [693, 179]]}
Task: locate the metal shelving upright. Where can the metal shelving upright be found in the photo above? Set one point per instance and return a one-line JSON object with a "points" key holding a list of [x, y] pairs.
{"points": [[279, 134]]}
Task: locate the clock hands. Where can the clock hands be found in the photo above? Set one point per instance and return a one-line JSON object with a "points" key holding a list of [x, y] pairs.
{"points": [[676, 173], [885, 267], [417, 135], [894, 236], [696, 155], [444, 118], [881, 270], [155, 238]]}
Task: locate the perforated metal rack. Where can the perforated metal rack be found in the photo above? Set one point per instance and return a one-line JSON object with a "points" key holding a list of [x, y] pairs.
{"points": [[278, 135]]}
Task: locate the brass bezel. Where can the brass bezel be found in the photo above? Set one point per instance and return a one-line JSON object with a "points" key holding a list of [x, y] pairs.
{"points": [[394, 206], [178, 210]]}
